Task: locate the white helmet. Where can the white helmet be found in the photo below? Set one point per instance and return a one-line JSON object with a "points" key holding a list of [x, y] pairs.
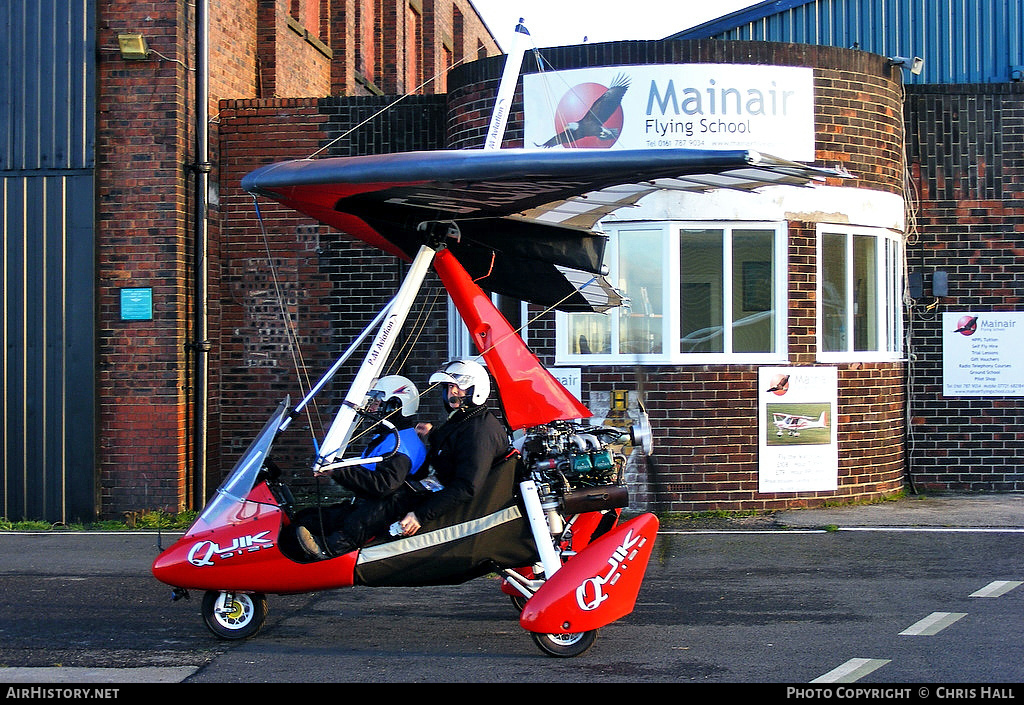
{"points": [[396, 387], [466, 375]]}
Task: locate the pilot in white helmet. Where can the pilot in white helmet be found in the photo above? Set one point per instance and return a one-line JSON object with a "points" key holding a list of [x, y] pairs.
{"points": [[379, 486], [462, 450]]}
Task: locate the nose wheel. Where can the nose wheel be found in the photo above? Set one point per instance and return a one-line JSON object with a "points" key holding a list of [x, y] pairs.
{"points": [[234, 615]]}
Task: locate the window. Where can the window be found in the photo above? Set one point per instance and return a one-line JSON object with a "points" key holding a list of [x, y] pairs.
{"points": [[697, 293], [413, 41], [460, 345], [860, 285]]}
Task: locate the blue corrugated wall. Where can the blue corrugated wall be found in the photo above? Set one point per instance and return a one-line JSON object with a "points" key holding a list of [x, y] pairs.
{"points": [[961, 41]]}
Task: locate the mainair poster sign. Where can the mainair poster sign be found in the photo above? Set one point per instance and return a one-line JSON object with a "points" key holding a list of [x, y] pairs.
{"points": [[692, 106], [981, 354], [798, 449]]}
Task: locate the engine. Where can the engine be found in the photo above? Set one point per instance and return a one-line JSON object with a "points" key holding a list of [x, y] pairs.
{"points": [[570, 455], [578, 467]]}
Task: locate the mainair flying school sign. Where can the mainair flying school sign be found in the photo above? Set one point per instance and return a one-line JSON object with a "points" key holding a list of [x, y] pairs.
{"points": [[691, 106], [981, 354]]}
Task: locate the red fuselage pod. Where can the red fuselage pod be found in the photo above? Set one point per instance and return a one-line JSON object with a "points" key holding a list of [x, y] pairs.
{"points": [[242, 552], [597, 586]]}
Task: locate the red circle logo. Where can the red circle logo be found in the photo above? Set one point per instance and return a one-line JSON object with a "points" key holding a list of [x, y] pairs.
{"points": [[967, 325], [589, 115]]}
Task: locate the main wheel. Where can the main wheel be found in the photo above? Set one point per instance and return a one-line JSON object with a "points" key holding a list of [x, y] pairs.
{"points": [[564, 645], [234, 615], [518, 601]]}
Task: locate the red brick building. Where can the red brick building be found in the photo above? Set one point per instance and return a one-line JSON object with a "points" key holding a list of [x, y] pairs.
{"points": [[273, 52], [704, 415], [292, 79]]}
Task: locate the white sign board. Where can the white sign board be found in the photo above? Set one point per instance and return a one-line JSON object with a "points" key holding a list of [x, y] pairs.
{"points": [[798, 449], [981, 354], [571, 378], [692, 106]]}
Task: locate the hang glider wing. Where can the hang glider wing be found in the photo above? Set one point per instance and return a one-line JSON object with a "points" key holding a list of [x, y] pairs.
{"points": [[519, 221]]}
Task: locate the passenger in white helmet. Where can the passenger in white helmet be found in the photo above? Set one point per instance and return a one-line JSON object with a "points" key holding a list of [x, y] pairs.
{"points": [[377, 487], [461, 451]]}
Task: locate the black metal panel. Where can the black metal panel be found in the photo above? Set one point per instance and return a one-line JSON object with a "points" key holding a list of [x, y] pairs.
{"points": [[47, 123]]}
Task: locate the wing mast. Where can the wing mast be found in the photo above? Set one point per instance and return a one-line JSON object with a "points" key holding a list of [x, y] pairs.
{"points": [[507, 88], [340, 432]]}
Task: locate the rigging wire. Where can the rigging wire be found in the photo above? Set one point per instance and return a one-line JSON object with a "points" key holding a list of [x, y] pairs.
{"points": [[546, 82], [386, 108], [542, 69], [300, 367], [298, 363], [420, 325]]}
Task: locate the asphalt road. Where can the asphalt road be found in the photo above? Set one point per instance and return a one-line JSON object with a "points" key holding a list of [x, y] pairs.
{"points": [[790, 607]]}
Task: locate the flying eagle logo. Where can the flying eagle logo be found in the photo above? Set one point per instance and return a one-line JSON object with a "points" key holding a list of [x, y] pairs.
{"points": [[590, 115], [967, 325], [779, 385]]}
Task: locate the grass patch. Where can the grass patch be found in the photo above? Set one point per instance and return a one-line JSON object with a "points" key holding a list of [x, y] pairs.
{"points": [[865, 501], [133, 521], [718, 514]]}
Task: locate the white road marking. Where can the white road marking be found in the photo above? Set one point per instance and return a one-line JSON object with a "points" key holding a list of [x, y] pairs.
{"points": [[932, 624], [852, 670], [996, 588]]}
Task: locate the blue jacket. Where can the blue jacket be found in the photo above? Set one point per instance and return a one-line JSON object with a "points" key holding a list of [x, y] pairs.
{"points": [[376, 480], [409, 445]]}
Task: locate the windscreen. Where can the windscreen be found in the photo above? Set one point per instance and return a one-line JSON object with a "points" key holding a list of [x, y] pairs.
{"points": [[228, 503]]}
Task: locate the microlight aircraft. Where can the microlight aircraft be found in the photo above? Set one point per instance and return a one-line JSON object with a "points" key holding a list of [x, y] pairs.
{"points": [[793, 424], [518, 223]]}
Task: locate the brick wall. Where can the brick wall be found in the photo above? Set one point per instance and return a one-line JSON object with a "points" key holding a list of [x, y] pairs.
{"points": [[145, 225], [142, 145], [964, 151], [331, 287]]}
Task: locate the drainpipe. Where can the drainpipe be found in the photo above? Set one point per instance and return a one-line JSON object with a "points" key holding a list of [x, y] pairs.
{"points": [[201, 345]]}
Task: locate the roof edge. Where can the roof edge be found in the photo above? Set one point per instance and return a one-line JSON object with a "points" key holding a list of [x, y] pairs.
{"points": [[737, 18]]}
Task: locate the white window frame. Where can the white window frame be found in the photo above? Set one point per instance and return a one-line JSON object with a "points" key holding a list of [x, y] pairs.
{"points": [[889, 267], [670, 330], [461, 345]]}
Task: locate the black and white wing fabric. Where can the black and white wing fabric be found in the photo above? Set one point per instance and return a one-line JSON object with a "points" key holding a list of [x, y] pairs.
{"points": [[521, 222]]}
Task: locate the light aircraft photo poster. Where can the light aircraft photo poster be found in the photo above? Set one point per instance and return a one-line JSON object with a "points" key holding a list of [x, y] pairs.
{"points": [[798, 450]]}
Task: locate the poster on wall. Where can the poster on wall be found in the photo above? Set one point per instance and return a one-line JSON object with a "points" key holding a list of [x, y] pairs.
{"points": [[798, 449], [692, 106], [981, 354]]}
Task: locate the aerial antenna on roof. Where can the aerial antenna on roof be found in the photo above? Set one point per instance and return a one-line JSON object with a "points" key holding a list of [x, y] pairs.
{"points": [[507, 87]]}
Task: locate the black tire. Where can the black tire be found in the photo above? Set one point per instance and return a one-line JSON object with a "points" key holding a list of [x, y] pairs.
{"points": [[518, 601], [564, 645], [240, 618]]}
